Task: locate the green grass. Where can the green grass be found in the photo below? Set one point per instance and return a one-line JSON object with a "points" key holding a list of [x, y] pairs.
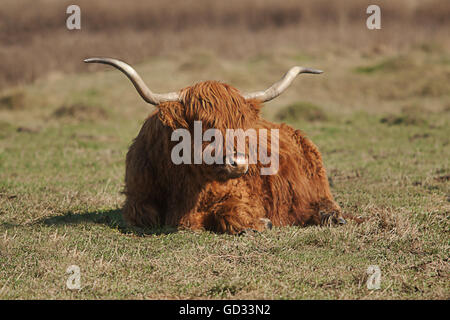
{"points": [[62, 168]]}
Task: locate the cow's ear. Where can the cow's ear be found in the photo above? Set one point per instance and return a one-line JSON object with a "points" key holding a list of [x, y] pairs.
{"points": [[171, 115]]}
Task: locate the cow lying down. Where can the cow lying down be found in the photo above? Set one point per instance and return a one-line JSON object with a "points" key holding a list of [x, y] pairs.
{"points": [[232, 195]]}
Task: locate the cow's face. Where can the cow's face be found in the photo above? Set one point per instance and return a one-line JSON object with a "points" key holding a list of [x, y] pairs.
{"points": [[213, 107], [233, 166]]}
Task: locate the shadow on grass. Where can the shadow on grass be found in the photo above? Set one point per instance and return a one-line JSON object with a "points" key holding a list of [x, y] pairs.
{"points": [[110, 218]]}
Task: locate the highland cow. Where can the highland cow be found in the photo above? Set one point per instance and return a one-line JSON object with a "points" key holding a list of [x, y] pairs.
{"points": [[231, 197]]}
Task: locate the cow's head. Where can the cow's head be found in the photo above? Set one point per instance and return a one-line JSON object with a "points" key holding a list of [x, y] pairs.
{"points": [[216, 106]]}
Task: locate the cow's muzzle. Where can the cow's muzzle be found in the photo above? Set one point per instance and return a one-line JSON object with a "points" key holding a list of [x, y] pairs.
{"points": [[236, 165]]}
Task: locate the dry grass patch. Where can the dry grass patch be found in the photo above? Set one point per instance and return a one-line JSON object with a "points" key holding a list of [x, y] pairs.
{"points": [[80, 112]]}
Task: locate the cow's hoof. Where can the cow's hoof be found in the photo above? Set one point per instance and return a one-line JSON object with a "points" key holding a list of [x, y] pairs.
{"points": [[330, 219], [325, 219], [263, 225], [267, 223]]}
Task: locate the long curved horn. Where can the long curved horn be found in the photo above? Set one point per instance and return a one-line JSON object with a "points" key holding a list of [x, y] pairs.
{"points": [[144, 91], [278, 87]]}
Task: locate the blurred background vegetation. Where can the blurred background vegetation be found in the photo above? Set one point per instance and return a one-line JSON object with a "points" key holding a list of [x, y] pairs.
{"points": [[34, 40]]}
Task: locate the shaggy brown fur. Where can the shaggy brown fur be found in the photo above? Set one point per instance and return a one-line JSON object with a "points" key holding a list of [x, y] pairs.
{"points": [[191, 196]]}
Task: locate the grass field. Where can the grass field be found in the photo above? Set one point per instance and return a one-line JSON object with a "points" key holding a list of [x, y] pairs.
{"points": [[380, 114], [385, 142]]}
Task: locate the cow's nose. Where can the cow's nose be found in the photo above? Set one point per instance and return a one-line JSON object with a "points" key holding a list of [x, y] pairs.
{"points": [[237, 164], [240, 160]]}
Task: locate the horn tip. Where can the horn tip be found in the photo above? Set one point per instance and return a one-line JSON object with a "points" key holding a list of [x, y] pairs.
{"points": [[98, 59], [313, 71]]}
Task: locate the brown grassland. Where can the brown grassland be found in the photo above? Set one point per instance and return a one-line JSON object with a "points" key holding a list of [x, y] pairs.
{"points": [[380, 114]]}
